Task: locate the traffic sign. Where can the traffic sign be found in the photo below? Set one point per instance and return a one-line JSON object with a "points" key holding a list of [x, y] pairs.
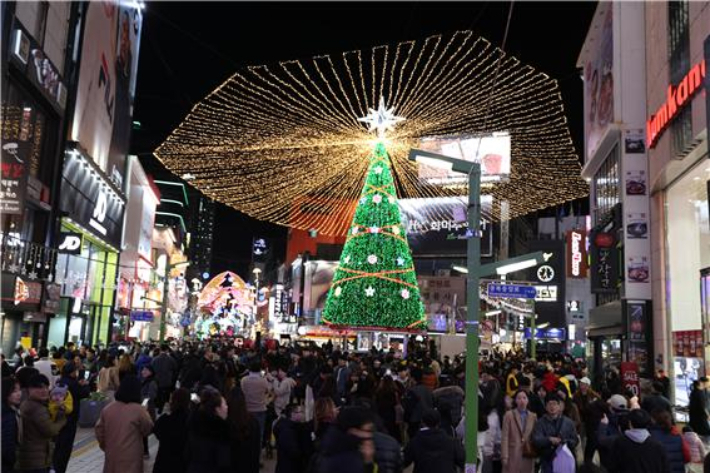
{"points": [[512, 291]]}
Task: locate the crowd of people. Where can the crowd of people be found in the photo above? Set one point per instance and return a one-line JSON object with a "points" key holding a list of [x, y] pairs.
{"points": [[214, 407]]}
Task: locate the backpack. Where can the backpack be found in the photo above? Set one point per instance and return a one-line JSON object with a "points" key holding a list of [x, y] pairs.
{"points": [[410, 400]]}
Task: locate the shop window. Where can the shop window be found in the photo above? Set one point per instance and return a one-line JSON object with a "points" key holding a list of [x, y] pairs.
{"points": [[606, 185], [682, 132], [678, 40]]}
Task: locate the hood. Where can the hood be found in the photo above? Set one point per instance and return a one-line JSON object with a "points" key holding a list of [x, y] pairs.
{"points": [[336, 441], [637, 435], [209, 426]]}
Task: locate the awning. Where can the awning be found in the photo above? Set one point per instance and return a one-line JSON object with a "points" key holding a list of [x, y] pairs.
{"points": [[605, 320]]}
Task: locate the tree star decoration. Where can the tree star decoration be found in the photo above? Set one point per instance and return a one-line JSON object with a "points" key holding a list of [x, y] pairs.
{"points": [[400, 261], [382, 119], [370, 291], [338, 291], [286, 143], [346, 260], [377, 198], [372, 259]]}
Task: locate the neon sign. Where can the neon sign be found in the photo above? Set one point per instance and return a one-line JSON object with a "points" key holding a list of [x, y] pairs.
{"points": [[677, 98]]}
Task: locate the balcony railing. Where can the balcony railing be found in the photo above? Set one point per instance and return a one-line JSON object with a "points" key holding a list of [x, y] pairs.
{"points": [[26, 258]]}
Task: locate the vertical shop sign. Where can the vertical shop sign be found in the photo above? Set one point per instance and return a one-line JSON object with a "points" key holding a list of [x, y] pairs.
{"points": [[638, 330], [630, 377], [577, 254], [14, 176]]}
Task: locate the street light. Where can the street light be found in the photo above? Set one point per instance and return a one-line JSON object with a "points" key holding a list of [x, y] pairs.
{"points": [[164, 307], [473, 253]]}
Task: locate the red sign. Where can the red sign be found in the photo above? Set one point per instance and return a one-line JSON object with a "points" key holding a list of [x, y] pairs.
{"points": [[688, 344], [678, 97], [630, 377], [577, 254], [604, 240]]}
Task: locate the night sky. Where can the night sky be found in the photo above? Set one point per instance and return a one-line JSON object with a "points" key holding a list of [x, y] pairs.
{"points": [[188, 49]]}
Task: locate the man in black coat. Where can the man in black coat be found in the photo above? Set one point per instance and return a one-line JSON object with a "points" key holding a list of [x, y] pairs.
{"points": [[635, 451], [348, 448], [432, 451], [64, 442]]}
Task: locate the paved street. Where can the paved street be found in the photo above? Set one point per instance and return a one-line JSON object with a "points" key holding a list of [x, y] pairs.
{"points": [[88, 457]]}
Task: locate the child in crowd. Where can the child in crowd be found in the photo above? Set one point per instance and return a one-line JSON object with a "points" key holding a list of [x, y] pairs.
{"points": [[59, 396]]}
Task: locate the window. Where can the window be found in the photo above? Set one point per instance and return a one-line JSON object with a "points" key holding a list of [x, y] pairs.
{"points": [[606, 185], [679, 65], [41, 23]]}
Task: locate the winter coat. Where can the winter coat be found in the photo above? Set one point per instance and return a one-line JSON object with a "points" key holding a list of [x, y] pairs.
{"points": [[583, 403], [698, 411], [246, 452], [143, 361], [108, 380], [170, 431], [388, 453], [453, 397], [78, 392], [149, 390], [696, 448], [672, 442], [36, 448], [512, 439], [424, 401], [207, 447], [120, 431], [638, 454], [10, 419], [293, 448], [656, 402], [607, 434], [547, 427], [432, 451], [339, 453], [165, 368]]}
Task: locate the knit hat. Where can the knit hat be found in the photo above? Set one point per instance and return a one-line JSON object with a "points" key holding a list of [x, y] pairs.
{"points": [[586, 381]]}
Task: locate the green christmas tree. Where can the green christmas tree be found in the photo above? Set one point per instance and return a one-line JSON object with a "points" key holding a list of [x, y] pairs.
{"points": [[375, 284]]}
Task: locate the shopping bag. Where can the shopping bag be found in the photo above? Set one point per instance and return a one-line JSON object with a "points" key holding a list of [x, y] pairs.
{"points": [[564, 461], [309, 403]]}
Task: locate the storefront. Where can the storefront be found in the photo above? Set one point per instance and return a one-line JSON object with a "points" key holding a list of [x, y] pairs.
{"points": [[87, 266]]}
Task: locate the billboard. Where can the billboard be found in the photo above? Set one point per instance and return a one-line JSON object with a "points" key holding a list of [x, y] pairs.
{"points": [[576, 254], [319, 278], [441, 297], [493, 152], [106, 89], [437, 227], [599, 85]]}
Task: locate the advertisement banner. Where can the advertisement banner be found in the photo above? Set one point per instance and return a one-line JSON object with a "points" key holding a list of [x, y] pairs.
{"points": [[630, 377], [688, 343], [437, 227], [19, 293], [14, 174], [319, 278], [604, 254], [576, 254], [549, 279], [70, 243], [492, 152], [599, 84], [104, 100], [637, 319], [52, 298], [442, 296]]}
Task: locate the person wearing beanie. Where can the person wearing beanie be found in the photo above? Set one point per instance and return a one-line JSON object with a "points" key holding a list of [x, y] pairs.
{"points": [[35, 451], [432, 451], [552, 431], [635, 451]]}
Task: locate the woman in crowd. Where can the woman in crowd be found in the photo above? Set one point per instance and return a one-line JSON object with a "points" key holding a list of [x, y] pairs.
{"points": [[324, 416], [149, 391], [108, 377], [125, 366], [667, 435], [208, 435], [121, 428], [293, 441], [386, 400], [244, 435], [170, 431], [11, 396], [518, 425]]}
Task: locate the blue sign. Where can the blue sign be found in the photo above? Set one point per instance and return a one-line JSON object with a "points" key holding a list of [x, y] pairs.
{"points": [[142, 316], [512, 291], [547, 333]]}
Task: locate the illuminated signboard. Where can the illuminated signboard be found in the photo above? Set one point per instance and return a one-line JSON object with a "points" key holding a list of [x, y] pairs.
{"points": [[678, 96], [492, 152], [546, 293], [577, 254]]}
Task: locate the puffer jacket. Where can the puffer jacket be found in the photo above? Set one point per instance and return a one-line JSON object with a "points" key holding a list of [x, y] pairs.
{"points": [[388, 454], [37, 447], [676, 449]]}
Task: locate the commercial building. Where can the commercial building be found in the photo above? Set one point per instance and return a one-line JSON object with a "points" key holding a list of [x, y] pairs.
{"points": [[37, 41], [202, 221]]}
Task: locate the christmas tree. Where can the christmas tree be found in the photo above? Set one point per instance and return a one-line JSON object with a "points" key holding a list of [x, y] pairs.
{"points": [[375, 284]]}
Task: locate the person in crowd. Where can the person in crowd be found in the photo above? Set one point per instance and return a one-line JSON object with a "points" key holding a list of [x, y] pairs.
{"points": [[208, 444], [46, 366], [570, 410], [256, 391], [292, 440], [417, 399], [611, 425], [452, 396], [635, 451], [492, 444], [665, 383], [671, 439], [699, 409], [282, 387], [144, 359], [342, 376], [583, 398], [324, 415], [125, 366], [512, 382], [491, 389], [170, 431], [149, 393], [121, 428], [79, 389], [108, 378], [696, 448], [36, 446], [518, 425], [432, 451], [553, 431], [655, 401], [166, 372], [11, 396], [348, 448], [388, 453], [388, 403], [244, 435]]}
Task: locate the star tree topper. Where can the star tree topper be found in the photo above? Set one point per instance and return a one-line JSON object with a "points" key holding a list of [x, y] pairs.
{"points": [[382, 119]]}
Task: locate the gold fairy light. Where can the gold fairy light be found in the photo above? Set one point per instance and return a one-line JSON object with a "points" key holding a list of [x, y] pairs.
{"points": [[284, 142]]}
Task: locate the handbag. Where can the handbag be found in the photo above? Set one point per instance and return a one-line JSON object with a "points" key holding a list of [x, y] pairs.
{"points": [[528, 449]]}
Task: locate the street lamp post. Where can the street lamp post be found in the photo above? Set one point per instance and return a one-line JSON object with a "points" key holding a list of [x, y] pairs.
{"points": [[164, 307]]}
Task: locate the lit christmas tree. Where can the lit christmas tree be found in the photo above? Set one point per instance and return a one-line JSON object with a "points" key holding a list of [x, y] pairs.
{"points": [[375, 284]]}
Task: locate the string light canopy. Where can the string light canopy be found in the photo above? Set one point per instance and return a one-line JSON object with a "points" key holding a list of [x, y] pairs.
{"points": [[290, 143]]}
